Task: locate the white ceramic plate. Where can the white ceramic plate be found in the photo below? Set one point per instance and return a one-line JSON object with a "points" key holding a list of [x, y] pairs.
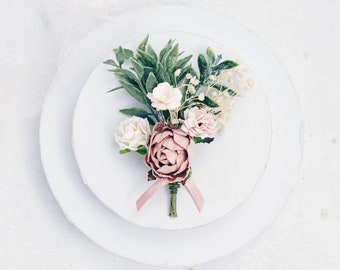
{"points": [[170, 248], [226, 171]]}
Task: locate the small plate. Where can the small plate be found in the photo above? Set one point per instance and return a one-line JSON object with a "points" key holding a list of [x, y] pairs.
{"points": [[226, 170], [162, 247]]}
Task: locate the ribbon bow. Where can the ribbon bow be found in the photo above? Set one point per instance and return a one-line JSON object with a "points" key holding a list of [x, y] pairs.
{"points": [[189, 184]]}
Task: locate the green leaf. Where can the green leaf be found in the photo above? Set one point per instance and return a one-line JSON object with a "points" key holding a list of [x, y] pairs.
{"points": [[151, 51], [124, 151], [220, 87], [203, 67], [209, 102], [110, 62], [151, 177], [127, 53], [182, 62], [142, 150], [162, 75], [170, 58], [201, 140], [151, 121], [120, 55], [133, 91], [211, 55], [142, 44], [166, 48], [137, 67], [232, 93], [151, 82], [114, 89], [225, 65], [147, 59], [135, 112], [185, 71]]}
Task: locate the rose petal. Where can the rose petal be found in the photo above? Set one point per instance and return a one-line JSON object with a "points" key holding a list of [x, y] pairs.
{"points": [[170, 155], [182, 141], [170, 144]]}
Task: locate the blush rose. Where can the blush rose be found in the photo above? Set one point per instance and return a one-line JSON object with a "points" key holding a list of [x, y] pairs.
{"points": [[169, 153], [199, 123]]}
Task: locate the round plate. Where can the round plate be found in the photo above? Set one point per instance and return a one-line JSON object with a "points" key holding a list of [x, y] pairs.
{"points": [[226, 170], [160, 247]]}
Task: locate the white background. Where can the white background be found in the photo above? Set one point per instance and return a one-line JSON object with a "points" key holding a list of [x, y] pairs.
{"points": [[34, 36]]}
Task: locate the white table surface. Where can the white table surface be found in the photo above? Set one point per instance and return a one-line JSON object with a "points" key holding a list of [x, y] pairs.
{"points": [[34, 36]]}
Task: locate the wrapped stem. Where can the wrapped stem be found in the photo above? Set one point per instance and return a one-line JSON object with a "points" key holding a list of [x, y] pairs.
{"points": [[173, 187]]}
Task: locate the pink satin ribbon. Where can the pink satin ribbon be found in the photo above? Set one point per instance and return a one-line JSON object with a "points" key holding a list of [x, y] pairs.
{"points": [[189, 184]]}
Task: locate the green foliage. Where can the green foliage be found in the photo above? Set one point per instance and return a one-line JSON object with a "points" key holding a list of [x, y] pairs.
{"points": [[142, 150], [135, 112], [140, 72], [124, 151], [201, 140], [225, 65], [209, 102], [203, 67], [151, 177]]}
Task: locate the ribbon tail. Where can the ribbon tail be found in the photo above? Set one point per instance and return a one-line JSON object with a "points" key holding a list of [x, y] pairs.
{"points": [[195, 193], [149, 193]]}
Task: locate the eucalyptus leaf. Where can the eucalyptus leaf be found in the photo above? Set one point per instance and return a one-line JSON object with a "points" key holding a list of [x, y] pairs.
{"points": [[133, 91], [147, 59], [137, 67], [142, 44], [182, 62], [165, 50], [161, 74], [114, 89], [128, 76], [120, 55], [171, 58], [135, 112], [151, 82], [110, 62], [151, 51], [127, 53]]}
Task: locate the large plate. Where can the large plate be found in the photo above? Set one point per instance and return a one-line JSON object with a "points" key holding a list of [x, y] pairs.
{"points": [[226, 171], [159, 247]]}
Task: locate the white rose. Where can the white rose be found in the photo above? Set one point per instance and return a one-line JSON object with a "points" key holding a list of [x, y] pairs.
{"points": [[165, 97], [133, 132]]}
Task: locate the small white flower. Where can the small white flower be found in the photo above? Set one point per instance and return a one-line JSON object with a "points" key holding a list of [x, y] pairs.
{"points": [[201, 97], [213, 78], [194, 81], [177, 72], [165, 97], [191, 89], [132, 133], [188, 76]]}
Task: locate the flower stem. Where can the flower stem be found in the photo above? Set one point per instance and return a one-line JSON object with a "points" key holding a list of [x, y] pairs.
{"points": [[173, 187]]}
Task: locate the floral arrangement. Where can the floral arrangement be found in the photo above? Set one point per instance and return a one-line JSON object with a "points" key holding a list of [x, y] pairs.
{"points": [[180, 107]]}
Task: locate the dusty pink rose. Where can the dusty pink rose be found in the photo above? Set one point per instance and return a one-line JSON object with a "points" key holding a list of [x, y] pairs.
{"points": [[199, 123], [169, 153]]}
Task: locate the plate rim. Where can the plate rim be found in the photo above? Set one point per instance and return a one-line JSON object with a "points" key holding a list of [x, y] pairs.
{"points": [[163, 262]]}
